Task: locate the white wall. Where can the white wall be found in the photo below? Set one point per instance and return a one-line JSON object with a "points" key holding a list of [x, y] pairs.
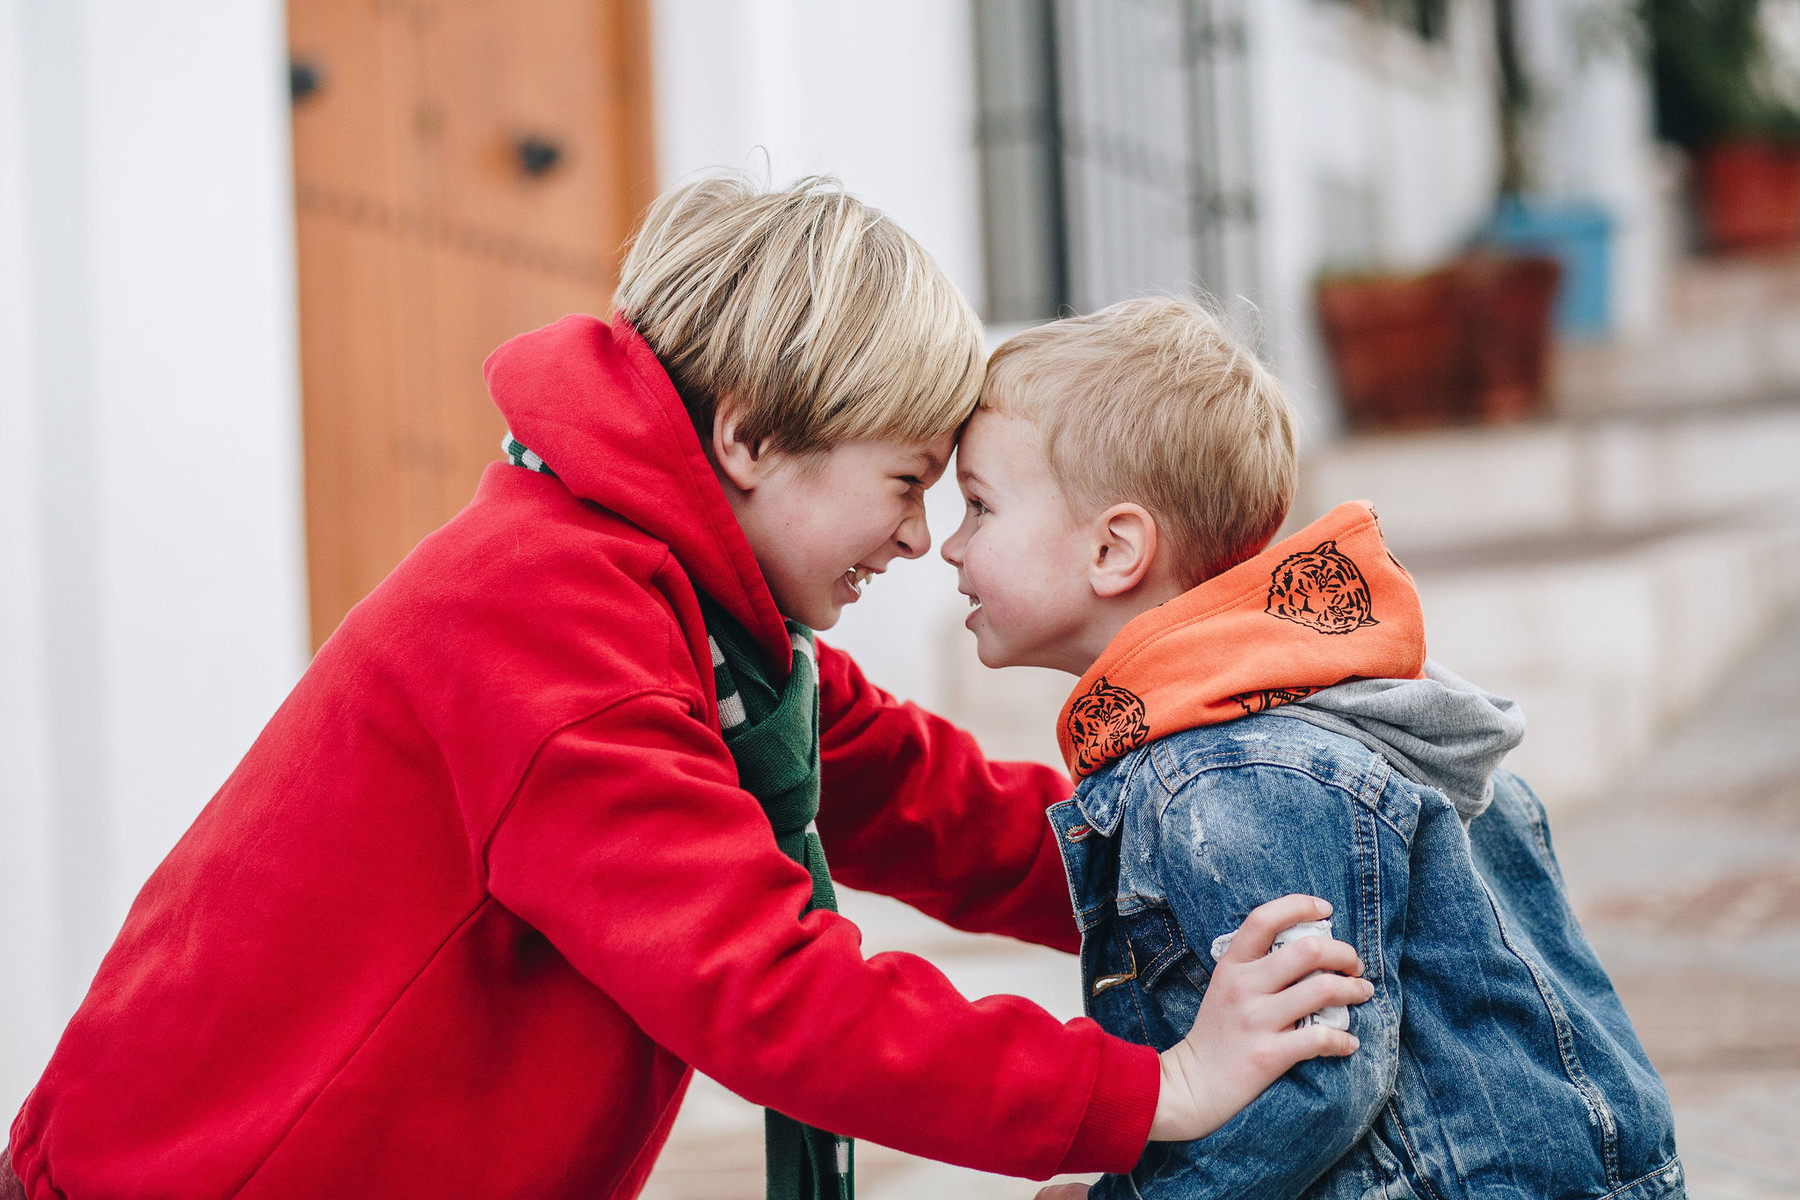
{"points": [[152, 595], [1592, 135], [29, 1003], [882, 96], [1375, 149]]}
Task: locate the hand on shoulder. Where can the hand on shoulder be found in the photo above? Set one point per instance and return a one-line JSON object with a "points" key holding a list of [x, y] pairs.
{"points": [[1245, 1036]]}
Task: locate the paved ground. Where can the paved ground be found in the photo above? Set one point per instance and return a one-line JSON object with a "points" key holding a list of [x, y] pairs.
{"points": [[1688, 882]]}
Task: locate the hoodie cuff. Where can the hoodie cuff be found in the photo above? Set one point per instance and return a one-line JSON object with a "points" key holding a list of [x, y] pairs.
{"points": [[1112, 1136]]}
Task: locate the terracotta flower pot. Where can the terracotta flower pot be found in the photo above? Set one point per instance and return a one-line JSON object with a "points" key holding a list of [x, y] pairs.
{"points": [[1749, 194], [1396, 344], [1508, 303]]}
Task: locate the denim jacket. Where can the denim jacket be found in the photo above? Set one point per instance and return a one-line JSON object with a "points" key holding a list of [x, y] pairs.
{"points": [[1496, 1059]]}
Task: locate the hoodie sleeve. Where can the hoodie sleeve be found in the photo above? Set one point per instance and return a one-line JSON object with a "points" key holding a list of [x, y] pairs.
{"points": [[630, 847], [912, 809]]}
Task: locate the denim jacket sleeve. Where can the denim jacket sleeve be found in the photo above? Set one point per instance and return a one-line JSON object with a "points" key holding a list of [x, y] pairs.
{"points": [[1226, 839]]}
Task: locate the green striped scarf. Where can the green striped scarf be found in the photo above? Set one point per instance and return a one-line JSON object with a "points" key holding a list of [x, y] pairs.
{"points": [[773, 736]]}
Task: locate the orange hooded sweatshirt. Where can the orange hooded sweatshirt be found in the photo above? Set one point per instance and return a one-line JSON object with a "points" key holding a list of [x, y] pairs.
{"points": [[1327, 605]]}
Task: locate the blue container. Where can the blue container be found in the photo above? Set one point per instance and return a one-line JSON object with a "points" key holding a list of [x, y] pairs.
{"points": [[1579, 234]]}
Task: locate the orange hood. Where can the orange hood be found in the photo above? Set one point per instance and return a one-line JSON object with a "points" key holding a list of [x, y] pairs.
{"points": [[1326, 605]]}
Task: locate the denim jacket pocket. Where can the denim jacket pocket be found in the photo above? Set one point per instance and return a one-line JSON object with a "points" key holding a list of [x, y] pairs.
{"points": [[1156, 942], [1170, 979]]}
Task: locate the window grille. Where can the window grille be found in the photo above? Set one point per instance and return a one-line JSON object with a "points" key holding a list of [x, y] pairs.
{"points": [[1115, 140]]}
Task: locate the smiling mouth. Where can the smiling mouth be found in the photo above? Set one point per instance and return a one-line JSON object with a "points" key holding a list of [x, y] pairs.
{"points": [[858, 578]]}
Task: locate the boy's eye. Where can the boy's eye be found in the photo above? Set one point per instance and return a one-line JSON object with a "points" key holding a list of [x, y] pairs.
{"points": [[977, 507], [912, 481]]}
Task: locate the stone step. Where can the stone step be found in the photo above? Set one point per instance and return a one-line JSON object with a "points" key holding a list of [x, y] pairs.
{"points": [[1731, 336], [1559, 478], [1607, 643], [1723, 290], [1679, 370]]}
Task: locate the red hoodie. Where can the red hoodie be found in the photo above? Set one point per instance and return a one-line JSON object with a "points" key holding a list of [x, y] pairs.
{"points": [[485, 888]]}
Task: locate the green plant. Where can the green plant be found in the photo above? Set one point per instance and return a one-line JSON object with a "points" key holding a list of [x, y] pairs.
{"points": [[1426, 18], [1709, 62], [1514, 100]]}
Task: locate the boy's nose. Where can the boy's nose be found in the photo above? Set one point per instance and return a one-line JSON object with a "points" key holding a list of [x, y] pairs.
{"points": [[952, 552], [913, 537]]}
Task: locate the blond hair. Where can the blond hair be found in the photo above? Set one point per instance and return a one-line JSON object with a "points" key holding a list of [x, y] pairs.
{"points": [[818, 317], [1152, 401]]}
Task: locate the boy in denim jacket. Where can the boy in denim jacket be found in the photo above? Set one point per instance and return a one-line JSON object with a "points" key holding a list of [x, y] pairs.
{"points": [[1253, 720]]}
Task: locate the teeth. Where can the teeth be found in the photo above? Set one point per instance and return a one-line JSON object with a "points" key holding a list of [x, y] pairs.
{"points": [[974, 602], [858, 578]]}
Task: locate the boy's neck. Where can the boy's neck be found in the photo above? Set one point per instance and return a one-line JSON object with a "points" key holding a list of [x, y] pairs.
{"points": [[1112, 615]]}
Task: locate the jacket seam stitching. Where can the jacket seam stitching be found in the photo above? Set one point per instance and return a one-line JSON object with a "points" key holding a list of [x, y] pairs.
{"points": [[1412, 1155], [1062, 852], [493, 831], [1566, 1051], [1641, 1180], [1355, 794], [1540, 831], [1370, 900]]}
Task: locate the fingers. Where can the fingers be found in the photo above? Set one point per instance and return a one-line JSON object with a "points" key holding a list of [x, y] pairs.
{"points": [[1296, 960], [1063, 1191], [1257, 934], [1315, 1041], [1321, 991]]}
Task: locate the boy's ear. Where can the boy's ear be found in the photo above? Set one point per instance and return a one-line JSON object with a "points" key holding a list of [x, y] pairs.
{"points": [[737, 460], [1125, 545]]}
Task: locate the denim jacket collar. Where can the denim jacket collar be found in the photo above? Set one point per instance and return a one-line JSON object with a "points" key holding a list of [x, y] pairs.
{"points": [[1101, 796]]}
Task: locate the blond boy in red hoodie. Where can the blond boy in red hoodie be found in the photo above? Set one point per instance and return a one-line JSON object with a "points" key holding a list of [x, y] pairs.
{"points": [[534, 837], [1253, 720]]}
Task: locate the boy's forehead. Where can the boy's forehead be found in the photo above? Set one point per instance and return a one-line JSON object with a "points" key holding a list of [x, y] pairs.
{"points": [[996, 445]]}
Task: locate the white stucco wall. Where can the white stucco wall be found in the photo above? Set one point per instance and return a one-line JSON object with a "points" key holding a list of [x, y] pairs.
{"points": [[28, 994], [151, 560], [1593, 136]]}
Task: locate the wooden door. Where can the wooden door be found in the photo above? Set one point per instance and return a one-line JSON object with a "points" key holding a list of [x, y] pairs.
{"points": [[464, 170]]}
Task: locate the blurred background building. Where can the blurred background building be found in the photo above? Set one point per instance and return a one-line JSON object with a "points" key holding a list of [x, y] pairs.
{"points": [[1525, 265]]}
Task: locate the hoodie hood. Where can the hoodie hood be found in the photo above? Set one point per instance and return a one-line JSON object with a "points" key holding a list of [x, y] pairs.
{"points": [[594, 403], [1441, 731], [1325, 605], [1325, 626]]}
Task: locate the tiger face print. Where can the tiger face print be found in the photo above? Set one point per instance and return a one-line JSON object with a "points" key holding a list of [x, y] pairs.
{"points": [[1320, 589], [1105, 724]]}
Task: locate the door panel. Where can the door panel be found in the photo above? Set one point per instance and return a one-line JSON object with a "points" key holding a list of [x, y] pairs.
{"points": [[465, 170]]}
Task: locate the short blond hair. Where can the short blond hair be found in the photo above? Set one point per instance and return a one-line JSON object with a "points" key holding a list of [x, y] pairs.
{"points": [[1152, 401], [819, 317]]}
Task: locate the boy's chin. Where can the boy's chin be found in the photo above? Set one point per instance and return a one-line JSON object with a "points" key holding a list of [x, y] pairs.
{"points": [[818, 616], [991, 654]]}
